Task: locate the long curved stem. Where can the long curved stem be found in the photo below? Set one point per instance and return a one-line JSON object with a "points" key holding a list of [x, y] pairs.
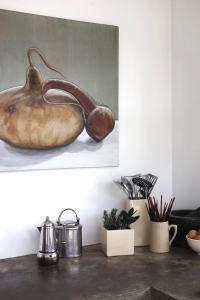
{"points": [[38, 52]]}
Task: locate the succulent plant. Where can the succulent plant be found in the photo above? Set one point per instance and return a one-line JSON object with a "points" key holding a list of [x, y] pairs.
{"points": [[116, 221]]}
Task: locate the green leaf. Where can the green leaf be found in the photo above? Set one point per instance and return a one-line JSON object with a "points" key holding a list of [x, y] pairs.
{"points": [[122, 220], [131, 212]]}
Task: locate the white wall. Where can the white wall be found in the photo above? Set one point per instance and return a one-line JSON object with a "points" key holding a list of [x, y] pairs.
{"points": [[145, 125], [186, 101]]}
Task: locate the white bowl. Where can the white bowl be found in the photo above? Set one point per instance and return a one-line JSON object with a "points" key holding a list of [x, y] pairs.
{"points": [[194, 244]]}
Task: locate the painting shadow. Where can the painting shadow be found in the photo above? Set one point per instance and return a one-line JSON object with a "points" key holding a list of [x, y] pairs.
{"points": [[13, 156]]}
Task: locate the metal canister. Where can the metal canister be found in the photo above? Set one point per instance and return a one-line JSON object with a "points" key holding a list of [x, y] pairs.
{"points": [[69, 236]]}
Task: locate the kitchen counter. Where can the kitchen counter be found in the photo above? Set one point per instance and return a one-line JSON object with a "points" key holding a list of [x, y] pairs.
{"points": [[145, 275]]}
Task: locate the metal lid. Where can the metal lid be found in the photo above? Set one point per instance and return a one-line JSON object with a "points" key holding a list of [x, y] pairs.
{"points": [[47, 223], [69, 223]]}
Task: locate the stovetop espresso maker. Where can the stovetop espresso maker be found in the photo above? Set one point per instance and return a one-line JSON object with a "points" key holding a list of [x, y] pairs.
{"points": [[47, 254]]}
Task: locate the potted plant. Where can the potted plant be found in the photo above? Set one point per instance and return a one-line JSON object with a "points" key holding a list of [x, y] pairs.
{"points": [[117, 238]]}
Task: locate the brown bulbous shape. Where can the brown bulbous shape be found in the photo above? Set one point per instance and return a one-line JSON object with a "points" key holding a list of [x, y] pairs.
{"points": [[100, 122], [26, 120]]}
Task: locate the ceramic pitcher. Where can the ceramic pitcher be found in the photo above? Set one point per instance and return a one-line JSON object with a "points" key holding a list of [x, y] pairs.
{"points": [[159, 236]]}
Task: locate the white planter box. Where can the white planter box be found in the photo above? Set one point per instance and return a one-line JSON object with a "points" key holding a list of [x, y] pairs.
{"points": [[117, 242], [142, 225]]}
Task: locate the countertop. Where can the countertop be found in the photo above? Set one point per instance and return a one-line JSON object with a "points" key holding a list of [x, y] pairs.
{"points": [[93, 276]]}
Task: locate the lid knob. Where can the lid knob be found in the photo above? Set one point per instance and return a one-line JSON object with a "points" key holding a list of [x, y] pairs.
{"points": [[48, 222]]}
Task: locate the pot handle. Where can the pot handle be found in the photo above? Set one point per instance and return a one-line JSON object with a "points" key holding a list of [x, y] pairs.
{"points": [[77, 218], [175, 232]]}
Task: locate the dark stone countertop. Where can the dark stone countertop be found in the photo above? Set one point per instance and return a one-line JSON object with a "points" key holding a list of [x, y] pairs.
{"points": [[145, 275]]}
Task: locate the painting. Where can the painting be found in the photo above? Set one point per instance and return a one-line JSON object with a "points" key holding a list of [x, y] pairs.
{"points": [[58, 93]]}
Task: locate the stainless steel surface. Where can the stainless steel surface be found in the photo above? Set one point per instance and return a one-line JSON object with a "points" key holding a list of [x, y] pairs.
{"points": [[127, 186], [47, 237], [69, 236], [46, 259], [138, 186], [47, 248], [151, 178]]}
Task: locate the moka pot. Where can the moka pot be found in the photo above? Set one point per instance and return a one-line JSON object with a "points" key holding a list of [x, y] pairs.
{"points": [[47, 254]]}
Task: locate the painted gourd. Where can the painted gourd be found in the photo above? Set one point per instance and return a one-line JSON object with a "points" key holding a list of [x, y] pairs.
{"points": [[28, 120]]}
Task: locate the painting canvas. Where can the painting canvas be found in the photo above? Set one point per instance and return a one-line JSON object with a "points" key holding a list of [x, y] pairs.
{"points": [[58, 93]]}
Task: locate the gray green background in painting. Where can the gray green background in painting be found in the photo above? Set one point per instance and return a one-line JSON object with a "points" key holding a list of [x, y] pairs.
{"points": [[86, 53]]}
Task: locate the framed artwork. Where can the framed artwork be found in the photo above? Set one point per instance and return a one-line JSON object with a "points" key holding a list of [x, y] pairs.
{"points": [[58, 93]]}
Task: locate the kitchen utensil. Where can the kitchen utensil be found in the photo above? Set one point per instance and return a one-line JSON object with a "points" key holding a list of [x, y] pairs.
{"points": [[121, 185], [47, 254], [152, 179], [69, 235], [138, 186], [144, 185], [127, 186]]}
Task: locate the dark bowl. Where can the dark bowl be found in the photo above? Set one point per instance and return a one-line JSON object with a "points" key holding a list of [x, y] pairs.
{"points": [[184, 223]]}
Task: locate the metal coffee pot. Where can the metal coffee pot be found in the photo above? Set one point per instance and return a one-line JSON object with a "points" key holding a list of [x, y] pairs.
{"points": [[69, 236], [47, 254], [63, 239]]}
